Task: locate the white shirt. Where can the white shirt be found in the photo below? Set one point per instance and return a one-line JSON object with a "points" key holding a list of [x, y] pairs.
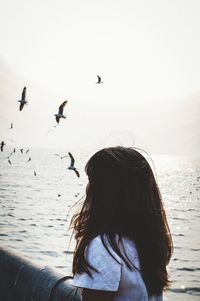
{"points": [[112, 275]]}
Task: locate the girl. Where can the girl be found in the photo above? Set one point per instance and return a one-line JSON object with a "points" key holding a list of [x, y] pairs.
{"points": [[123, 238]]}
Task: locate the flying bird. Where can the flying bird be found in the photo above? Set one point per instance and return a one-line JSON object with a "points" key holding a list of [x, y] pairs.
{"points": [[99, 80], [2, 145], [27, 151], [35, 173], [72, 167], [9, 162], [21, 150], [11, 126], [60, 112], [23, 100], [11, 154], [29, 159]]}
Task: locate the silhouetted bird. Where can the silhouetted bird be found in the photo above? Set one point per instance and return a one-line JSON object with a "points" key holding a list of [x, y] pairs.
{"points": [[29, 159], [35, 173], [60, 112], [2, 145], [59, 195], [10, 155], [11, 126], [23, 100], [9, 162], [27, 151], [72, 167], [21, 150], [99, 80]]}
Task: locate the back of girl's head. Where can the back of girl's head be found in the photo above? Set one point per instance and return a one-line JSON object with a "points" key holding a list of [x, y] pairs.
{"points": [[120, 189], [122, 197]]}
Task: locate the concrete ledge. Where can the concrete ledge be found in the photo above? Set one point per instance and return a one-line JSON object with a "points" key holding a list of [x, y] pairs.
{"points": [[22, 280]]}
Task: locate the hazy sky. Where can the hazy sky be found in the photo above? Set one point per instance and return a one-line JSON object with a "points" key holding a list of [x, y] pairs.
{"points": [[147, 53]]}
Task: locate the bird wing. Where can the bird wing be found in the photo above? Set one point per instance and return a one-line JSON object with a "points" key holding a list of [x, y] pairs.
{"points": [[72, 159], [21, 106], [57, 119], [24, 94], [61, 107], [77, 173], [99, 78]]}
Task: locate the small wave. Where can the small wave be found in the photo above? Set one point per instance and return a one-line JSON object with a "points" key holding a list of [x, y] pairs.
{"points": [[3, 189], [194, 249], [178, 234], [51, 253], [68, 252], [178, 218], [188, 269], [60, 267], [10, 214], [189, 290]]}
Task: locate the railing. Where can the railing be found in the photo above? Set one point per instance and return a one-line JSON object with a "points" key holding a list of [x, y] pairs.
{"points": [[21, 280]]}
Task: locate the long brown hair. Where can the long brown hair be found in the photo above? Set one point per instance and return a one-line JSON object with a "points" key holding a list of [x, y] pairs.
{"points": [[123, 198]]}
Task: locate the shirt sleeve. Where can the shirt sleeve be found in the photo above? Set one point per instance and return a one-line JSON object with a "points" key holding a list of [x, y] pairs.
{"points": [[108, 275]]}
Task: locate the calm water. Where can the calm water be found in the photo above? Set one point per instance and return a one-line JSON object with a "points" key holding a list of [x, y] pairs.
{"points": [[34, 219]]}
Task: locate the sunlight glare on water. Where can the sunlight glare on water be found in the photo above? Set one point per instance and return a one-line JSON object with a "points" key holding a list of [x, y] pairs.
{"points": [[35, 211]]}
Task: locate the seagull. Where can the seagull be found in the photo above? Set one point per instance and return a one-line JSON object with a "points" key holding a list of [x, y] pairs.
{"points": [[11, 154], [9, 162], [29, 159], [11, 126], [23, 100], [21, 150], [99, 80], [2, 145], [35, 173], [60, 112], [72, 167]]}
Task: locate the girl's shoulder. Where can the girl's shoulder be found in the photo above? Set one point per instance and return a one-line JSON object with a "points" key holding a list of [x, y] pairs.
{"points": [[101, 244]]}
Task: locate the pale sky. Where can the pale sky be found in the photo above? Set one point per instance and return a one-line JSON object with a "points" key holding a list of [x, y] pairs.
{"points": [[147, 53]]}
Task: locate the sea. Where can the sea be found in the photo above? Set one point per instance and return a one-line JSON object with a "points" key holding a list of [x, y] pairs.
{"points": [[38, 197]]}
